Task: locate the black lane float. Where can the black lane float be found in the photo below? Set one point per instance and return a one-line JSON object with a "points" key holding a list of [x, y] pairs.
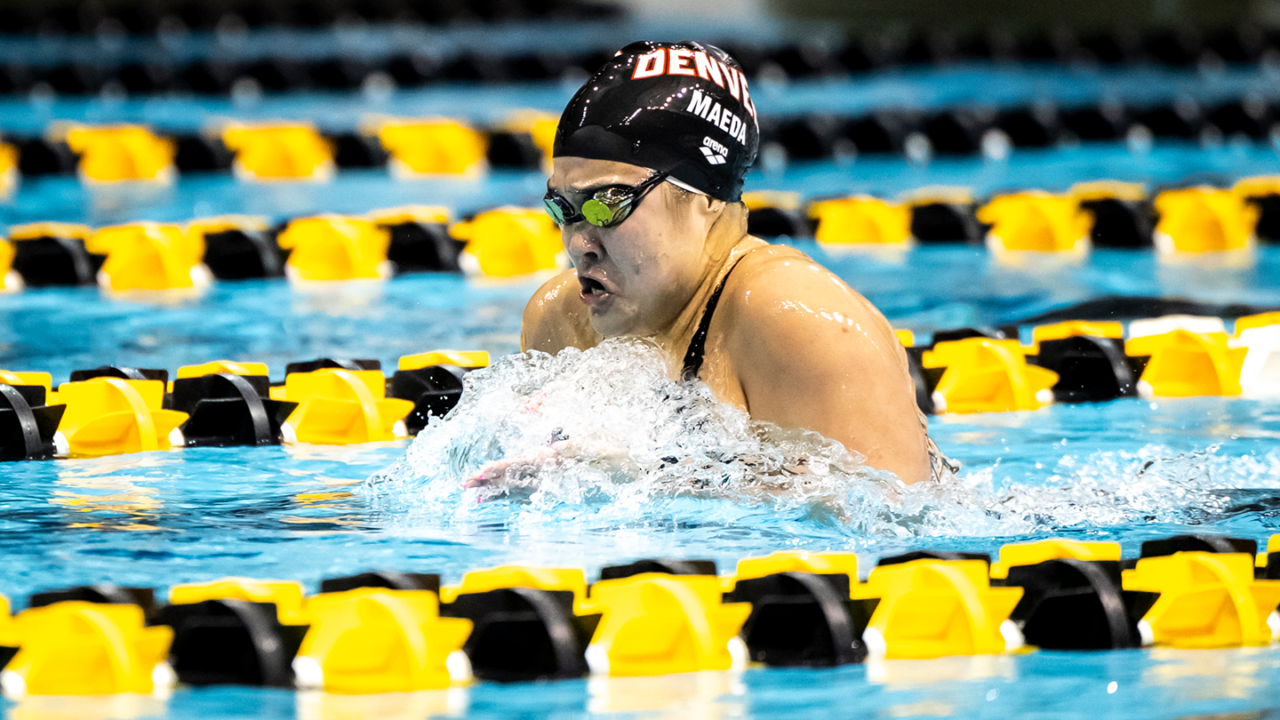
{"points": [[228, 409], [231, 642], [803, 619], [1090, 369], [1070, 604], [524, 633], [27, 424]]}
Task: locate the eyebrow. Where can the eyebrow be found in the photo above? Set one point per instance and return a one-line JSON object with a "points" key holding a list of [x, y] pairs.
{"points": [[588, 188]]}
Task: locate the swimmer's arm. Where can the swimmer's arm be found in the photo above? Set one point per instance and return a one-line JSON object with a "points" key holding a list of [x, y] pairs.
{"points": [[812, 353], [556, 318]]}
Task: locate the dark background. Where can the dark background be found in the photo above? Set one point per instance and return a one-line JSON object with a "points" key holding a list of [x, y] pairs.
{"points": [[1032, 15], [966, 16]]}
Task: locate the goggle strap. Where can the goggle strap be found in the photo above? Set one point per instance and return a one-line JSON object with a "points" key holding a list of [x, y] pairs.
{"points": [[684, 186]]}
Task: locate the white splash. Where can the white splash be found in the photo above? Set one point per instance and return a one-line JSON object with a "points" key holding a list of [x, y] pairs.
{"points": [[623, 433], [637, 450]]}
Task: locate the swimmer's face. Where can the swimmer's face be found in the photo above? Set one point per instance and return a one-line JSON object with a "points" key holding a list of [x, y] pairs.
{"points": [[637, 276]]}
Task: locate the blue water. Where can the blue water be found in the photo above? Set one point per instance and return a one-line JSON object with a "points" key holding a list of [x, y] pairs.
{"points": [[359, 191], [300, 512], [1128, 470], [979, 83], [1123, 684]]}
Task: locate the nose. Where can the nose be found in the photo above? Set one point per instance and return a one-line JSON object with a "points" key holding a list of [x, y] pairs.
{"points": [[582, 245]]}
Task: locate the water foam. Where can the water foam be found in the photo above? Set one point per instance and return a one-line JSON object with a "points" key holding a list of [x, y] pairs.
{"points": [[634, 449]]}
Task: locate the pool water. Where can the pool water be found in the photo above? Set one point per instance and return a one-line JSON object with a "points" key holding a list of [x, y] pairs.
{"points": [[1128, 470]]}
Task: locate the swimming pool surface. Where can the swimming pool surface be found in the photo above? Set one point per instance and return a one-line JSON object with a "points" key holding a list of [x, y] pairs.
{"points": [[303, 513], [1127, 470]]}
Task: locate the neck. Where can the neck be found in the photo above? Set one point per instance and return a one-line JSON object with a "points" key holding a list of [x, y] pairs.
{"points": [[725, 243]]}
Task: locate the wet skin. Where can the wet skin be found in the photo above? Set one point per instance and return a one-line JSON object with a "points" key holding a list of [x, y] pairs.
{"points": [[790, 342]]}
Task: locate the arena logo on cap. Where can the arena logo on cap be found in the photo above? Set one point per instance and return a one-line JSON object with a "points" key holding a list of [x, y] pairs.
{"points": [[708, 109], [715, 153], [694, 63]]}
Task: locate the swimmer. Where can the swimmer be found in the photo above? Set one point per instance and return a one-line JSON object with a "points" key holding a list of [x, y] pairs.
{"points": [[649, 161]]}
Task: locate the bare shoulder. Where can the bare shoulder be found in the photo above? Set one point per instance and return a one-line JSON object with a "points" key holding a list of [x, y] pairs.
{"points": [[555, 319], [779, 291], [809, 351]]}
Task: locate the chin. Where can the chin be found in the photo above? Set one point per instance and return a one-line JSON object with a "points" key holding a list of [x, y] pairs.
{"points": [[611, 323]]}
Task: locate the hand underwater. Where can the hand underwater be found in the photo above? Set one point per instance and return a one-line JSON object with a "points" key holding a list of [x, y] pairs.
{"points": [[524, 471]]}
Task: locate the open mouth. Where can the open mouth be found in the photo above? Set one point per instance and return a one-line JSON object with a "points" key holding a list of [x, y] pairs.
{"points": [[591, 286]]}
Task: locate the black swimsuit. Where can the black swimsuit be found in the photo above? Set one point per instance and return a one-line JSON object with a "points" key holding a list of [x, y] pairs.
{"points": [[697, 351], [940, 465]]}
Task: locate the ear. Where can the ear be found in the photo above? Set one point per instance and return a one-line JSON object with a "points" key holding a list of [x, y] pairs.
{"points": [[713, 207]]}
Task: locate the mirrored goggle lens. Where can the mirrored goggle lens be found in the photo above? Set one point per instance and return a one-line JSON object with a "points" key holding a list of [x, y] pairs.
{"points": [[599, 213], [552, 204]]}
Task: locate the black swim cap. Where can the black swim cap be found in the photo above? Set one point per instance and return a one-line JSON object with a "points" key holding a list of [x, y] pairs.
{"points": [[680, 108]]}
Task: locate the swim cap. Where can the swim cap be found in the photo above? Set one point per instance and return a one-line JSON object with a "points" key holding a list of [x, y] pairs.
{"points": [[680, 108]]}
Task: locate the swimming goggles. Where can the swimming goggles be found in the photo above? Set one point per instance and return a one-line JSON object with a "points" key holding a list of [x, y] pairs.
{"points": [[605, 208]]}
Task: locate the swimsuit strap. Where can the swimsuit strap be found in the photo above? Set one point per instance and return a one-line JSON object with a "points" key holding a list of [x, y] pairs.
{"points": [[698, 345]]}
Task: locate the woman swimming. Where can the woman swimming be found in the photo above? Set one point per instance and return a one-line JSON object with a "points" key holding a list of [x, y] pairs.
{"points": [[649, 161]]}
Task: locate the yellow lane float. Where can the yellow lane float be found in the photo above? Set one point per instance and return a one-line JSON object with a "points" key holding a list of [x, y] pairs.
{"points": [[423, 148], [372, 640], [222, 366], [10, 178], [1186, 362], [933, 608], [43, 379], [149, 256], [986, 375], [1108, 190], [81, 648], [1258, 186], [1035, 553], [39, 379], [820, 563], [1073, 328], [1250, 322], [1259, 335], [336, 247], [1036, 221], [471, 359], [1168, 323], [420, 214], [109, 416], [279, 152], [771, 200], [1264, 558], [654, 624], [286, 595], [10, 280], [122, 153], [509, 576], [861, 220], [508, 242], [1203, 219], [342, 407], [1207, 600]]}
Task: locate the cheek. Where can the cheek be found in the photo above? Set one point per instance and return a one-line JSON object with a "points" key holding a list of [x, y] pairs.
{"points": [[654, 253]]}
